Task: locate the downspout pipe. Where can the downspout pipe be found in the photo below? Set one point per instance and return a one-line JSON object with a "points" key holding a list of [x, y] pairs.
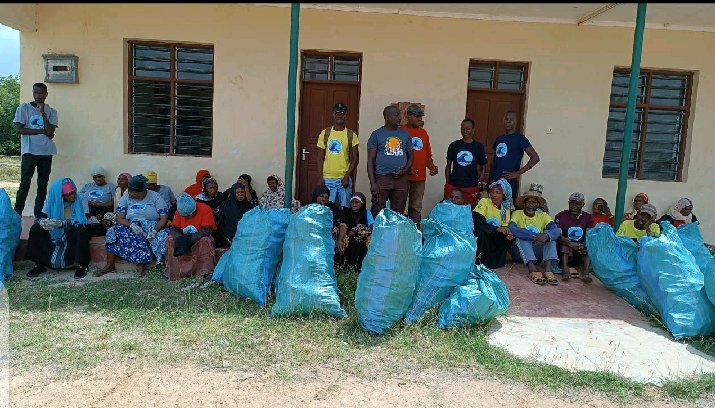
{"points": [[630, 113], [290, 108]]}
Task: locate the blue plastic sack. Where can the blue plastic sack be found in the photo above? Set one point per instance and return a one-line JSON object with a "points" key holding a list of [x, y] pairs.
{"points": [[10, 228], [483, 297], [675, 284], [249, 267], [614, 262], [693, 242], [306, 281], [455, 216], [447, 259], [386, 283]]}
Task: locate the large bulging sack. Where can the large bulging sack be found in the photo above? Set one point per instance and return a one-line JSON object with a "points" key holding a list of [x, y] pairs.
{"points": [[249, 267], [675, 284], [454, 216], [447, 259], [386, 283], [614, 263], [10, 228], [693, 242], [306, 281], [483, 297]]}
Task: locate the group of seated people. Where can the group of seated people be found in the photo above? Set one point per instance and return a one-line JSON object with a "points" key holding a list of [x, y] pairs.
{"points": [[142, 222]]}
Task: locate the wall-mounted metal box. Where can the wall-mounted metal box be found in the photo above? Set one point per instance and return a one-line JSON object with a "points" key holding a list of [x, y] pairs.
{"points": [[61, 68]]}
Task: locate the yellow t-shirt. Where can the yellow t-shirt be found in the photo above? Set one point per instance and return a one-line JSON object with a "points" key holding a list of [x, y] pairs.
{"points": [[628, 229], [337, 157], [491, 213], [536, 224]]}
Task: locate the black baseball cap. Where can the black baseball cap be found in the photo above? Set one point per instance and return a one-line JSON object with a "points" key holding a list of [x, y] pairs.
{"points": [[340, 108]]}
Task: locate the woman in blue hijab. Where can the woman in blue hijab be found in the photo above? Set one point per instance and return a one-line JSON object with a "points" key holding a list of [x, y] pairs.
{"points": [[59, 239]]}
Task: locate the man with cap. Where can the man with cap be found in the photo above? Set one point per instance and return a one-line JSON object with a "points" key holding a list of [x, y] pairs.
{"points": [[644, 224], [98, 196], [465, 165], [338, 157], [164, 191], [389, 159], [572, 243], [422, 153]]}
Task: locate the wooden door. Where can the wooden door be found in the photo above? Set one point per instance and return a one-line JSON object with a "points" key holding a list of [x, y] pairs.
{"points": [[317, 98]]}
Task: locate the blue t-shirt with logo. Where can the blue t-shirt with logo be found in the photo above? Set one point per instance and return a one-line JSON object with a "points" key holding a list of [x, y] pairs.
{"points": [[392, 147], [465, 157], [30, 117], [149, 208], [508, 152], [93, 192]]}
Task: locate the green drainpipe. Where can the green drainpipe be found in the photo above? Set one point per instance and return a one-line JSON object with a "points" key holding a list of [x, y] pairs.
{"points": [[290, 109], [630, 112]]}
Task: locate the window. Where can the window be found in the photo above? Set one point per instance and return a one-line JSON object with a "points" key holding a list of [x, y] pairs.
{"points": [[170, 98], [659, 124], [331, 67], [497, 75]]}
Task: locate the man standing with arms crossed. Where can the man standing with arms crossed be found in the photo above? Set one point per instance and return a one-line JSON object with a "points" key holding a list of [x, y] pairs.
{"points": [[422, 153], [338, 161], [36, 123]]}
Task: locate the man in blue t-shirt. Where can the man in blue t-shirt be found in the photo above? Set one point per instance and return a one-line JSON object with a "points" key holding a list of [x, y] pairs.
{"points": [[509, 149], [465, 164], [389, 158]]}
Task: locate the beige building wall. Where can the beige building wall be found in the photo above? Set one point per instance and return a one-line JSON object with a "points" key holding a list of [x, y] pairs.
{"points": [[405, 58]]}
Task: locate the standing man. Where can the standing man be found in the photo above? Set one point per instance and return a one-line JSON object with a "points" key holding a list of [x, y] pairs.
{"points": [[509, 149], [422, 153], [340, 159], [469, 159], [36, 123], [389, 158]]}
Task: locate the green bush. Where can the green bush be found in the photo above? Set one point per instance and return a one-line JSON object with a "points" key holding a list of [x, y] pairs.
{"points": [[9, 99]]}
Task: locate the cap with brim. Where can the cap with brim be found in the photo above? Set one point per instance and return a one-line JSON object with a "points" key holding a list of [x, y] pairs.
{"points": [[340, 108], [520, 200], [415, 111], [577, 197]]}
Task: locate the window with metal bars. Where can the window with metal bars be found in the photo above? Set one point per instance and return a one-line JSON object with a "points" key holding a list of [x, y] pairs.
{"points": [[327, 67], [659, 124], [497, 75], [170, 98]]}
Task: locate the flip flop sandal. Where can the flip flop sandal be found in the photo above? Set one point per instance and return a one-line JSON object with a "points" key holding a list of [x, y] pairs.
{"points": [[537, 277], [574, 273], [551, 279], [586, 278]]}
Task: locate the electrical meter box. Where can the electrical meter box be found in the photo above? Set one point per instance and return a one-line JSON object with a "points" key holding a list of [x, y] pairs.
{"points": [[61, 68]]}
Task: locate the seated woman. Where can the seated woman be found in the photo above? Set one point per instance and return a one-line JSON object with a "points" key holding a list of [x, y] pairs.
{"points": [[600, 212], [321, 195], [190, 247], [195, 189], [139, 234], [536, 235], [638, 201], [245, 180], [491, 218], [122, 185], [274, 195], [210, 195], [358, 222], [99, 195], [644, 224], [230, 213], [59, 239], [680, 214]]}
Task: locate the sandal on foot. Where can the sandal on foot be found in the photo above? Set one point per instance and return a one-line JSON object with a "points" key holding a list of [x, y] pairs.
{"points": [[537, 277], [586, 278], [102, 272], [574, 273], [551, 279]]}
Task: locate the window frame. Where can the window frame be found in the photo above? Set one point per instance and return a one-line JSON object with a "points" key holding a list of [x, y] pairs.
{"points": [[646, 106], [497, 65], [173, 80], [331, 55]]}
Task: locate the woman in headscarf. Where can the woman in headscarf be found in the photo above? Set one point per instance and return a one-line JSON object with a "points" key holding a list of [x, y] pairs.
{"points": [[359, 228], [211, 195], [321, 195], [274, 195], [638, 201], [251, 194], [190, 247], [139, 235], [680, 214], [196, 188], [122, 185], [491, 218], [230, 213], [98, 194], [59, 238]]}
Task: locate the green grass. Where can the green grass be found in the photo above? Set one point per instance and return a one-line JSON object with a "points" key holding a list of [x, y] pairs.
{"points": [[66, 327], [10, 168]]}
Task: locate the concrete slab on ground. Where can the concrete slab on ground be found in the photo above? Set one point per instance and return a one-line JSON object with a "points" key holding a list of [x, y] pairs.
{"points": [[578, 326]]}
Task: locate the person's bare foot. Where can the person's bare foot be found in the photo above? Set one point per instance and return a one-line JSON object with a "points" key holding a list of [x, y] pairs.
{"points": [[107, 269], [141, 272]]}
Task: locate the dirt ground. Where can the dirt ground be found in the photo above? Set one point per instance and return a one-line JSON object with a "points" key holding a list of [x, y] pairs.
{"points": [[193, 386]]}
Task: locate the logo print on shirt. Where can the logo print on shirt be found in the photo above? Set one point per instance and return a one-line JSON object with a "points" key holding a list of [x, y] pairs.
{"points": [[417, 143], [36, 122], [533, 228], [465, 158], [335, 147], [393, 147], [575, 233], [137, 207], [493, 221], [94, 194], [501, 150]]}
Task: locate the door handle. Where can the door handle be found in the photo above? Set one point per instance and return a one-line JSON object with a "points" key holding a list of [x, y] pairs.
{"points": [[303, 153]]}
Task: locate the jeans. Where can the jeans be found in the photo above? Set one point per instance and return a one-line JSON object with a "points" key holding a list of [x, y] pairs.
{"points": [[525, 251], [27, 171], [338, 194]]}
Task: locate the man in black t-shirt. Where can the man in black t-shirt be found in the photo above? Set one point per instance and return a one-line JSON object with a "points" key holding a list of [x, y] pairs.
{"points": [[465, 165]]}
